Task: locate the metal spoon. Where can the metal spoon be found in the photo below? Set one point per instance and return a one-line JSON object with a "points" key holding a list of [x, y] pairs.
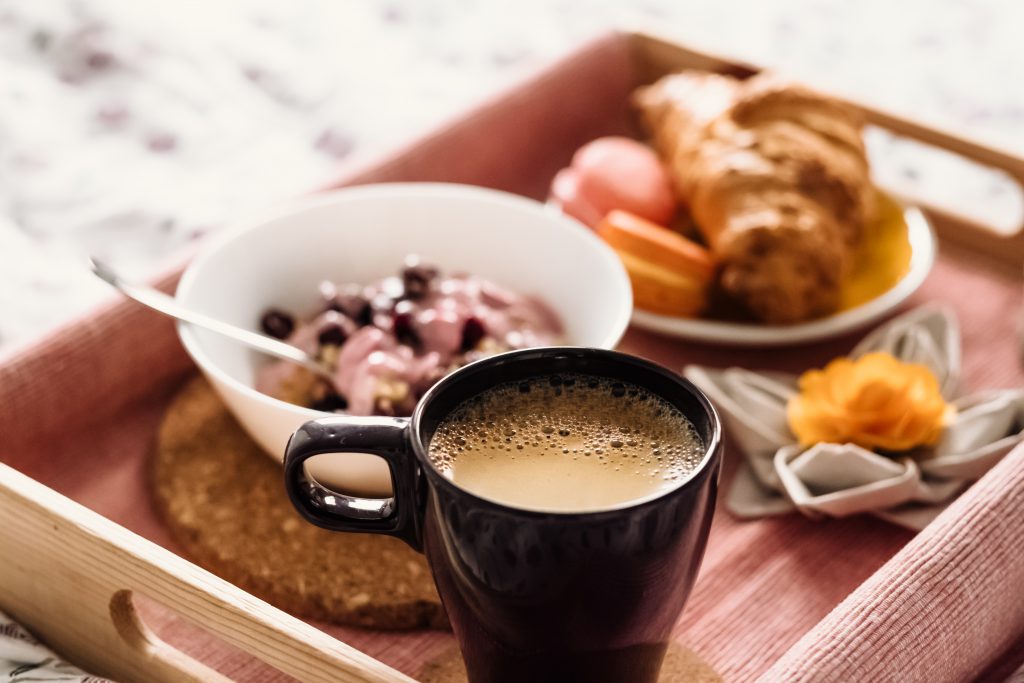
{"points": [[167, 305]]}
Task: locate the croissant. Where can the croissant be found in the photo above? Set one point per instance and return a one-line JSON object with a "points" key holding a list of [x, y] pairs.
{"points": [[776, 178]]}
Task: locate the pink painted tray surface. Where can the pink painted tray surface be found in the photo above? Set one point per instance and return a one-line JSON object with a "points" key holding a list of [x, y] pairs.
{"points": [[81, 408]]}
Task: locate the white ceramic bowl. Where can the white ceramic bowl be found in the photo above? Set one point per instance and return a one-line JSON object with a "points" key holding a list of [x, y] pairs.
{"points": [[363, 233]]}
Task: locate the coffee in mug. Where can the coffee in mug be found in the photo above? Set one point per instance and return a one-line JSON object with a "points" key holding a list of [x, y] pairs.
{"points": [[566, 443]]}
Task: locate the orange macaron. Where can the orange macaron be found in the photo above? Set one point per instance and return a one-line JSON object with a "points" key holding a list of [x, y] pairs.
{"points": [[670, 274]]}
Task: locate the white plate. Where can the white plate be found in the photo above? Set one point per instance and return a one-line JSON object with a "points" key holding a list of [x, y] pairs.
{"points": [[922, 256]]}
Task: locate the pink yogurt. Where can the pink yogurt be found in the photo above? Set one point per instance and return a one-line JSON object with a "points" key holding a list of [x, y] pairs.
{"points": [[413, 331]]}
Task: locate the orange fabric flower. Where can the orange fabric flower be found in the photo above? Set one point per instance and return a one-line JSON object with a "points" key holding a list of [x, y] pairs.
{"points": [[875, 401]]}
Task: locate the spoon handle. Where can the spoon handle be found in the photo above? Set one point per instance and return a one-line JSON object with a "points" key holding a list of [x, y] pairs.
{"points": [[158, 301]]}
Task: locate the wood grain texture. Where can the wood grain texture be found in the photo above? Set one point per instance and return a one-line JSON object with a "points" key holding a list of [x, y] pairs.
{"points": [[69, 573]]}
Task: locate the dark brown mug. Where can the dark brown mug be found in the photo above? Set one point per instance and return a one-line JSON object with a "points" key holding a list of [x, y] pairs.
{"points": [[531, 596]]}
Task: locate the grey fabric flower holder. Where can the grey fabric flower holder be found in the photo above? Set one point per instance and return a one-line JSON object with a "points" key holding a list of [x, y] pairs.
{"points": [[837, 480]]}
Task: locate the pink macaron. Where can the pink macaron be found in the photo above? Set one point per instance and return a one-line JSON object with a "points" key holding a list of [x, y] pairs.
{"points": [[615, 173]]}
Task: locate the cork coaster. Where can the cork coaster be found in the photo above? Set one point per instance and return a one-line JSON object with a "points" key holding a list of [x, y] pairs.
{"points": [[681, 665], [224, 501]]}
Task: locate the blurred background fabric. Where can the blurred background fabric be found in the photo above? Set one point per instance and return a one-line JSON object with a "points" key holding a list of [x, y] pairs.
{"points": [[131, 129]]}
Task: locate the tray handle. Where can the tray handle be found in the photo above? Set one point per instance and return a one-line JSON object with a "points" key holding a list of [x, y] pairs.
{"points": [[657, 52], [944, 139], [952, 225], [69, 575]]}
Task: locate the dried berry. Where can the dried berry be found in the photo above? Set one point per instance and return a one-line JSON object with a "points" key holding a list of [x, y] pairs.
{"points": [[402, 328], [335, 328], [356, 307], [332, 334], [277, 324], [472, 332], [416, 279]]}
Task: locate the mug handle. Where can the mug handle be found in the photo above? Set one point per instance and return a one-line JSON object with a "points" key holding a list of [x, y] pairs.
{"points": [[401, 515]]}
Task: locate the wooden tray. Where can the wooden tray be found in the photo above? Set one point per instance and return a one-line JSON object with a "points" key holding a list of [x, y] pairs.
{"points": [[89, 568]]}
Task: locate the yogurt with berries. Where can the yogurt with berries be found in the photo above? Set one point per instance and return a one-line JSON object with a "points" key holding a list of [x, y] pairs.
{"points": [[390, 341]]}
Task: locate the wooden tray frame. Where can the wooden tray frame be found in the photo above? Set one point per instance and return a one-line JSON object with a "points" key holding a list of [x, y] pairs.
{"points": [[60, 558]]}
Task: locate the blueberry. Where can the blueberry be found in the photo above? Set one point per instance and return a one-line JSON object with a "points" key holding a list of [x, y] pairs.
{"points": [[618, 390], [401, 326], [416, 279], [354, 306], [472, 332], [332, 334], [277, 324], [335, 328]]}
